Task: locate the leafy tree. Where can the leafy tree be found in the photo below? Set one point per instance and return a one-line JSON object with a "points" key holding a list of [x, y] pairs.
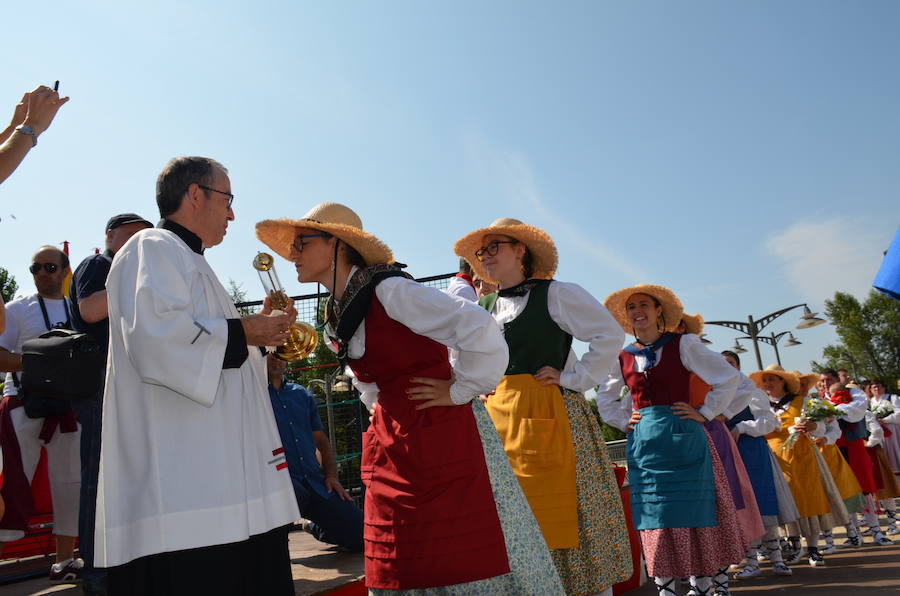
{"points": [[610, 433], [238, 295], [8, 285], [869, 333]]}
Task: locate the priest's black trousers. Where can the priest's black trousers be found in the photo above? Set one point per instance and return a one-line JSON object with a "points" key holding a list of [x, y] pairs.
{"points": [[259, 565]]}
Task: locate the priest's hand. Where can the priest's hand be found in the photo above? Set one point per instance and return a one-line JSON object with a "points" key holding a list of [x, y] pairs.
{"points": [[687, 412], [332, 484], [430, 392], [289, 310], [266, 330]]}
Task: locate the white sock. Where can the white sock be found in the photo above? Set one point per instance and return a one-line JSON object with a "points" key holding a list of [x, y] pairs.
{"points": [[665, 586]]}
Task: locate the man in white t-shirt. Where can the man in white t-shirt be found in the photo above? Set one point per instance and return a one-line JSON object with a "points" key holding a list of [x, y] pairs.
{"points": [[21, 437]]}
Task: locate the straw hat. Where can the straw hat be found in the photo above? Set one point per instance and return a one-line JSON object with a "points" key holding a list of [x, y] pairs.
{"points": [[692, 323], [538, 242], [338, 220], [672, 310], [807, 381], [791, 380]]}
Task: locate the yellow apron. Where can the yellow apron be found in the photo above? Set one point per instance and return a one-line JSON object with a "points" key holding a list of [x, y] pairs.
{"points": [[844, 477], [532, 421], [799, 465]]}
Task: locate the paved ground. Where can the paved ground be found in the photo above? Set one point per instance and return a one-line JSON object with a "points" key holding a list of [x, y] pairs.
{"points": [[867, 570], [317, 568]]}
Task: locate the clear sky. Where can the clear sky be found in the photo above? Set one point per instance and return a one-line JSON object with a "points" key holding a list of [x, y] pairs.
{"points": [[743, 154]]}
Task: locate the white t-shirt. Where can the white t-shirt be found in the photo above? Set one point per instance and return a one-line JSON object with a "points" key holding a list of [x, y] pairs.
{"points": [[25, 321]]}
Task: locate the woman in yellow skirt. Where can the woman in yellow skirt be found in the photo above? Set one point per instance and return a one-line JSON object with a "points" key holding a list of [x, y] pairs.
{"points": [[844, 479], [551, 437], [798, 462]]}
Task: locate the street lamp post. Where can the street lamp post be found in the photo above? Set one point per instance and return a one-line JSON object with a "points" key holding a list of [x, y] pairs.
{"points": [[773, 340], [753, 327]]}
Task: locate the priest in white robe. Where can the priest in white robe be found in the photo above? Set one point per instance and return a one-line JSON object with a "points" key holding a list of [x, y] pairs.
{"points": [[194, 494]]}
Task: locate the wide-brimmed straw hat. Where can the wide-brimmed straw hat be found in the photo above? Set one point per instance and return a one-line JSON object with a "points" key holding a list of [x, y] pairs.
{"points": [[672, 309], [338, 220], [791, 380], [539, 244], [692, 323], [807, 381]]}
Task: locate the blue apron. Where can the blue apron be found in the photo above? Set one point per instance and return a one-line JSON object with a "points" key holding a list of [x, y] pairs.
{"points": [[755, 453], [670, 472]]}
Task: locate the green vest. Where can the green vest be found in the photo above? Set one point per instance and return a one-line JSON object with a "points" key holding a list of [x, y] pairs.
{"points": [[534, 339]]}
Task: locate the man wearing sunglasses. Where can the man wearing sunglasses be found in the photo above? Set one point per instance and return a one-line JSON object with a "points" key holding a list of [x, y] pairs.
{"points": [[194, 495], [27, 318]]}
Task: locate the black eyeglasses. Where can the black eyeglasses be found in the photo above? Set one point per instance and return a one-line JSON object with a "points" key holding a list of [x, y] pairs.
{"points": [[492, 248], [299, 243], [48, 267], [221, 192]]}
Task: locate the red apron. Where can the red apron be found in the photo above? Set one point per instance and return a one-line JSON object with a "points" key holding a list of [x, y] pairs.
{"points": [[430, 517]]}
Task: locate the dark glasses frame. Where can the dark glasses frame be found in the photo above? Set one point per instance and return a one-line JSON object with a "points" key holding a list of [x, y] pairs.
{"points": [[48, 267], [492, 248], [221, 192]]}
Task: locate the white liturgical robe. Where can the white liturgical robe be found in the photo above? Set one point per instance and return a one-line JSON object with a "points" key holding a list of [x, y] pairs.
{"points": [[191, 456]]}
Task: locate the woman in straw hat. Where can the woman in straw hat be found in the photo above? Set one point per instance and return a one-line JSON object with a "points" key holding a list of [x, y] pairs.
{"points": [[845, 482], [552, 439], [749, 427], [433, 521], [749, 519], [798, 460], [680, 497]]}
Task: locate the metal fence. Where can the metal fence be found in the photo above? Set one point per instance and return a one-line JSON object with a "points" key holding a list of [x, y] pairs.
{"points": [[343, 415]]}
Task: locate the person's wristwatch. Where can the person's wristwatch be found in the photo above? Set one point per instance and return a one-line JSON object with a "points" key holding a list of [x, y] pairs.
{"points": [[27, 130]]}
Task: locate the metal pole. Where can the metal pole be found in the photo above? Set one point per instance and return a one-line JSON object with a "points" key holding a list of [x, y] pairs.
{"points": [[752, 335], [775, 345], [329, 380]]}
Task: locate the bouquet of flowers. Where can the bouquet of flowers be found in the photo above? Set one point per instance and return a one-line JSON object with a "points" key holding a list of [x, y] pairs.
{"points": [[883, 409], [815, 409]]}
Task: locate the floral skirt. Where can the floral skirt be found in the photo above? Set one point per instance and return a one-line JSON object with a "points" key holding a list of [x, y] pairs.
{"points": [[603, 557], [531, 569], [682, 552]]}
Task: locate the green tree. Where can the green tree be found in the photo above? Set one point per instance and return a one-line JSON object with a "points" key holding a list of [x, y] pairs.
{"points": [[610, 433], [238, 295], [869, 334], [8, 285]]}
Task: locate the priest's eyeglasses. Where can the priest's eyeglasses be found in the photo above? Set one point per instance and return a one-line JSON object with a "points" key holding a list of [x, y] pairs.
{"points": [[48, 267], [492, 248], [299, 243], [221, 192]]}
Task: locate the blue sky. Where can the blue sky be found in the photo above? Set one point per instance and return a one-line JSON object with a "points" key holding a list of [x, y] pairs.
{"points": [[744, 154]]}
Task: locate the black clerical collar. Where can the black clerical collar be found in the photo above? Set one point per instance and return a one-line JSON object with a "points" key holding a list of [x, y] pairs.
{"points": [[191, 239]]}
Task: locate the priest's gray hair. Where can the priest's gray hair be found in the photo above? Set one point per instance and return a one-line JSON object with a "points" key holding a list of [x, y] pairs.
{"points": [[178, 175]]}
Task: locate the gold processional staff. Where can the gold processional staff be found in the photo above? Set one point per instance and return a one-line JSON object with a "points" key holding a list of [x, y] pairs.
{"points": [[302, 337]]}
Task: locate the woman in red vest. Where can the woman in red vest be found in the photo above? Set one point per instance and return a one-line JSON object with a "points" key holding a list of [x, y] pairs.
{"points": [[680, 499], [431, 519]]}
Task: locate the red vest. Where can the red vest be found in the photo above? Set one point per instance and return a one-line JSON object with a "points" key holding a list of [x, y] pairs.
{"points": [[430, 517], [664, 384]]}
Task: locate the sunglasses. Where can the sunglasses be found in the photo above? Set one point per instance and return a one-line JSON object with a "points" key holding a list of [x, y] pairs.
{"points": [[48, 267]]}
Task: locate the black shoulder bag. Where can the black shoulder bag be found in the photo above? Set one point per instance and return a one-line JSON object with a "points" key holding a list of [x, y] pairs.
{"points": [[59, 366]]}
